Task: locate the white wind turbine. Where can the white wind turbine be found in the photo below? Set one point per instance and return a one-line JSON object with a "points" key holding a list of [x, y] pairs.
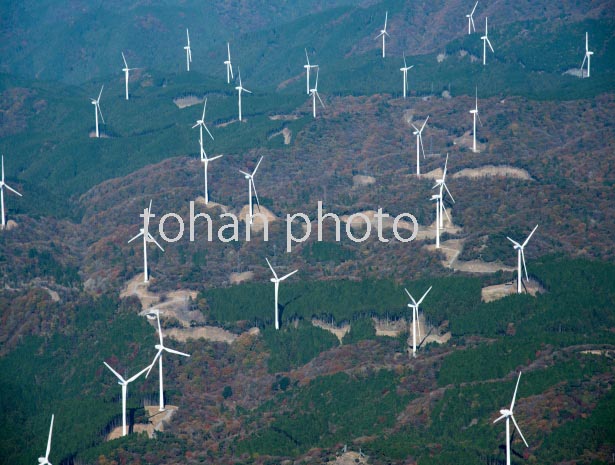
{"points": [[200, 123], [521, 258], [206, 161], [415, 317], [45, 460], [124, 383], [441, 183], [471, 20], [250, 178], [96, 103], [240, 89], [2, 186], [155, 314], [229, 67], [419, 145], [405, 71], [383, 33], [126, 70], [188, 51], [475, 115], [314, 93], [587, 57], [507, 413], [147, 237], [307, 67], [486, 41], [276, 281]]}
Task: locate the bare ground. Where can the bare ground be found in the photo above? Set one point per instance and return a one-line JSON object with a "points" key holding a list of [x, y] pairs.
{"points": [[236, 278], [284, 117], [361, 180], [466, 141], [483, 171], [157, 422], [258, 223], [337, 331], [287, 133], [350, 458], [498, 291], [188, 101]]}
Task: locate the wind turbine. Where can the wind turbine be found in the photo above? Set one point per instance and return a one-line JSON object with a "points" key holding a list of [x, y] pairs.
{"points": [[126, 70], [201, 124], [276, 281], [383, 33], [475, 114], [314, 93], [188, 51], [229, 67], [507, 413], [471, 20], [240, 89], [486, 41], [521, 257], [147, 237], [155, 314], [307, 70], [405, 71], [124, 383], [441, 183], [415, 317], [587, 57], [45, 460], [2, 186], [419, 145], [96, 103], [250, 178]]}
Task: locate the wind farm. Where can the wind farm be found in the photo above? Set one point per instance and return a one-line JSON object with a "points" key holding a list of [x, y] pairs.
{"points": [[398, 329]]}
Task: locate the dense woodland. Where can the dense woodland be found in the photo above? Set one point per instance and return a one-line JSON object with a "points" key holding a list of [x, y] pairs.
{"points": [[300, 394]]}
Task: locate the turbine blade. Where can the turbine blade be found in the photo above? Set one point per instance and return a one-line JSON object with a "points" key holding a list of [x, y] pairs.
{"points": [[410, 295], [449, 192], [474, 9], [473, 26], [528, 237], [257, 165], [524, 267], [514, 242], [255, 195], [215, 158], [306, 56], [49, 438], [271, 268], [212, 137], [204, 107], [12, 190], [445, 212], [316, 84], [124, 58], [519, 429], [151, 239], [319, 99], [445, 167], [100, 112], [153, 362], [423, 126], [288, 275], [422, 148], [490, 46], [243, 172], [499, 418], [424, 295], [176, 352], [138, 235], [405, 65], [130, 380], [100, 93], [386, 18], [115, 372], [512, 404]]}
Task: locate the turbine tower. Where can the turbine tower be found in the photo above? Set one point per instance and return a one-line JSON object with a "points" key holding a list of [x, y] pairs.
{"points": [[383, 33], [45, 460], [188, 51], [126, 70], [587, 57], [251, 186], [419, 145], [155, 314], [521, 258], [441, 183], [471, 20], [507, 413], [206, 161], [229, 67], [147, 237], [276, 281], [475, 115], [437, 198], [415, 317], [240, 89], [486, 41], [2, 186], [314, 93], [307, 67], [96, 103], [124, 383], [405, 71]]}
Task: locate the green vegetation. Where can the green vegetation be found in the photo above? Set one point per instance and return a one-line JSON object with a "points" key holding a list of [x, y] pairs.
{"points": [[292, 347]]}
